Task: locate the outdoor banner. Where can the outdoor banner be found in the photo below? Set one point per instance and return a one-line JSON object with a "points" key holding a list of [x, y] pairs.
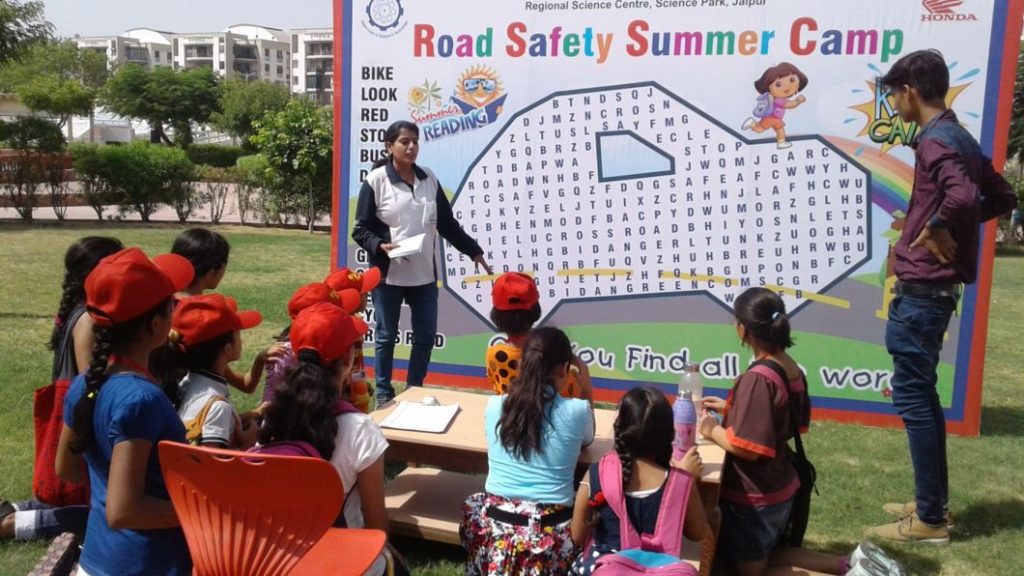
{"points": [[646, 161]]}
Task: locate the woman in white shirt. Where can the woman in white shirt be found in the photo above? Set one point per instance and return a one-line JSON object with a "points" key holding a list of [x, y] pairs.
{"points": [[400, 200]]}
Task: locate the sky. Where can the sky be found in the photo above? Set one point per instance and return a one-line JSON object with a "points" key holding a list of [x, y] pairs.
{"points": [[111, 17]]}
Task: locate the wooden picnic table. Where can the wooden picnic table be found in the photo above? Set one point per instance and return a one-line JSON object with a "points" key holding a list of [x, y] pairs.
{"points": [[426, 502]]}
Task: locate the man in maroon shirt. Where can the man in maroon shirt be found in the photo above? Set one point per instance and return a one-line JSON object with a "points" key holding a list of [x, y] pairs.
{"points": [[955, 190]]}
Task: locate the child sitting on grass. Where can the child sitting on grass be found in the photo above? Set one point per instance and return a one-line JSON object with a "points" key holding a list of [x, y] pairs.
{"points": [[644, 431], [204, 339], [115, 414], [308, 407]]}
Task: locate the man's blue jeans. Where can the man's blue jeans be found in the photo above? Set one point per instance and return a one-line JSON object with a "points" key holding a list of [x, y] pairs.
{"points": [[387, 306], [914, 338]]}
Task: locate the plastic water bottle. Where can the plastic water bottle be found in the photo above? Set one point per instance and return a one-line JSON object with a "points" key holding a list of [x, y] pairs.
{"points": [[684, 416], [693, 382]]}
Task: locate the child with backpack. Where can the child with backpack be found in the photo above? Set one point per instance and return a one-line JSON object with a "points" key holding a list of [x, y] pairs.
{"points": [[634, 507], [765, 498], [520, 525], [115, 414], [309, 417], [516, 308], [775, 88], [204, 339]]}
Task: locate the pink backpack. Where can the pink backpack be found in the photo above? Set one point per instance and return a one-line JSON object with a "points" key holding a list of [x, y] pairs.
{"points": [[656, 553]]}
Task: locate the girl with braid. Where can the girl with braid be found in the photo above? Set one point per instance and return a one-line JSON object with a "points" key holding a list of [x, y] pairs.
{"points": [[71, 342], [520, 525], [115, 414], [643, 446]]}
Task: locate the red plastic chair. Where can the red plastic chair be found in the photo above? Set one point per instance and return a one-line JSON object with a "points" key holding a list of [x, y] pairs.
{"points": [[260, 515]]}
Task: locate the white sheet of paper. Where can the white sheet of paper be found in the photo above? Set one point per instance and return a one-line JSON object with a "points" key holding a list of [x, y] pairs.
{"points": [[408, 247], [420, 417]]}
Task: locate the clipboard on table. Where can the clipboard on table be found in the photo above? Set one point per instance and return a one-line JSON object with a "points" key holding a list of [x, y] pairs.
{"points": [[419, 417]]}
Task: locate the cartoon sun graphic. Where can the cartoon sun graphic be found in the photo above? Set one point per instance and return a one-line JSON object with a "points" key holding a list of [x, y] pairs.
{"points": [[479, 86]]}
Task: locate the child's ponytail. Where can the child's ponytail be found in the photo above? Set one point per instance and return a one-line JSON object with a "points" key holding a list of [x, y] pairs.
{"points": [[175, 360], [107, 341], [643, 429], [102, 350], [763, 314], [80, 258]]}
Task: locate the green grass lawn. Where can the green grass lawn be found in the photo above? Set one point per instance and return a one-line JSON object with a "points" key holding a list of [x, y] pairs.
{"points": [[859, 468]]}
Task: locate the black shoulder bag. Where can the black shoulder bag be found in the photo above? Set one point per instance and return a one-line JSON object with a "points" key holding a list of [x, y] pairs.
{"points": [[796, 526]]}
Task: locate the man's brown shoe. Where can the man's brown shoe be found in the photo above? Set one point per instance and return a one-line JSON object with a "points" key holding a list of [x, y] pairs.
{"points": [[902, 509], [911, 529]]}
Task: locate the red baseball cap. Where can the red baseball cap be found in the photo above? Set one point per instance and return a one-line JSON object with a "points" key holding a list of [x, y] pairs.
{"points": [[514, 291], [328, 330], [127, 284], [317, 292], [201, 318], [344, 279]]}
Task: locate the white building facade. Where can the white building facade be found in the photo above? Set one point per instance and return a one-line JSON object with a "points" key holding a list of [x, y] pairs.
{"points": [[313, 64]]}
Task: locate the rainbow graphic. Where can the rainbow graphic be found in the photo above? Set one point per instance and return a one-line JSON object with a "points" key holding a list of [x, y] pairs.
{"points": [[891, 178]]}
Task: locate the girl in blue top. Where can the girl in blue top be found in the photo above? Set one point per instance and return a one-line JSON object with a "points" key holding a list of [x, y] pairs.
{"points": [[115, 414], [534, 438]]}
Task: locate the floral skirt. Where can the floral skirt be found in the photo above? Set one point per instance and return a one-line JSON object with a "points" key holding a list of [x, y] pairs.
{"points": [[496, 548]]}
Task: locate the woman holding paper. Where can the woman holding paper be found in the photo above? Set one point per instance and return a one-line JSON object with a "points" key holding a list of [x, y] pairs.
{"points": [[402, 209]]}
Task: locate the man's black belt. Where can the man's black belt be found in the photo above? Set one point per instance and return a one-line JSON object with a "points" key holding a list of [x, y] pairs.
{"points": [[947, 290], [515, 519]]}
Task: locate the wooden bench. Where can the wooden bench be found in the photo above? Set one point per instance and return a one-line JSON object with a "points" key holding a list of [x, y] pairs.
{"points": [[426, 503]]}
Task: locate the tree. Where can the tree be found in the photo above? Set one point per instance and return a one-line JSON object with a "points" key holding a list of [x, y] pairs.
{"points": [[297, 143], [243, 103], [1015, 145], [165, 98], [58, 79], [34, 141], [21, 25]]}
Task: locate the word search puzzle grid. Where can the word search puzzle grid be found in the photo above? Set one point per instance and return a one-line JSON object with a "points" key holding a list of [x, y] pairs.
{"points": [[629, 191]]}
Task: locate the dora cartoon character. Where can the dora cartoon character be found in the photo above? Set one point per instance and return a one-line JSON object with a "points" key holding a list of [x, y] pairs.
{"points": [[776, 86]]}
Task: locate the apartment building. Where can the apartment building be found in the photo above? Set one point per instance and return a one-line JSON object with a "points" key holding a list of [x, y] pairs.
{"points": [[241, 51], [141, 46], [313, 63]]}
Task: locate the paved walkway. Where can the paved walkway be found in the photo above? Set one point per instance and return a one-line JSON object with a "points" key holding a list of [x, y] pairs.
{"points": [[162, 214]]}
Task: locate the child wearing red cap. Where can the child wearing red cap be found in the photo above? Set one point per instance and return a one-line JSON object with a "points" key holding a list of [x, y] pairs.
{"points": [[516, 309], [304, 297], [309, 407], [115, 414], [204, 339], [341, 280]]}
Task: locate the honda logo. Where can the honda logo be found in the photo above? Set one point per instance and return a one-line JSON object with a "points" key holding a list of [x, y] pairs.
{"points": [[944, 11]]}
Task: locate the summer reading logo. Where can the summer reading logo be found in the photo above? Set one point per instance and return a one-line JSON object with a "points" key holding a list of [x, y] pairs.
{"points": [[477, 100]]}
